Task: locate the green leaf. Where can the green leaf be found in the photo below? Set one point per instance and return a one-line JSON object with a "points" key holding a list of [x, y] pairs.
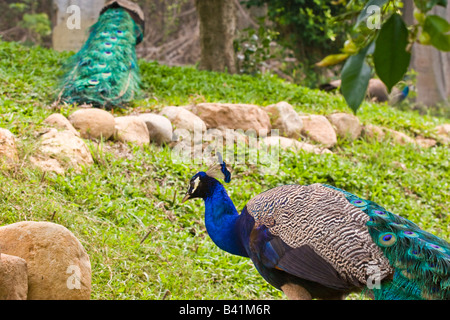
{"points": [[438, 29], [332, 60], [390, 57], [355, 79], [366, 13], [427, 5]]}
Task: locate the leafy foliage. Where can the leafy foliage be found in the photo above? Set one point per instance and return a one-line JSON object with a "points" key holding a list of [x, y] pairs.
{"points": [[437, 29], [305, 25], [23, 21], [392, 40], [310, 29], [253, 48]]}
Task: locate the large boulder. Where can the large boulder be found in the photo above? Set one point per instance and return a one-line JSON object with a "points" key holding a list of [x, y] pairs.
{"points": [[58, 121], [377, 91], [159, 127], [227, 136], [291, 144], [399, 137], [233, 116], [132, 129], [425, 142], [13, 278], [47, 164], [8, 148], [58, 266], [373, 132], [182, 118], [347, 126], [284, 118], [93, 123], [443, 132], [319, 129], [68, 149]]}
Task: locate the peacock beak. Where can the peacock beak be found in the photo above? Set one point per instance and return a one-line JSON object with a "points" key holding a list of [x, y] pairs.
{"points": [[186, 197]]}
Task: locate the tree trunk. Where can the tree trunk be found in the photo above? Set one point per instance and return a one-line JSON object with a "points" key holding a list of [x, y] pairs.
{"points": [[432, 65], [217, 30]]}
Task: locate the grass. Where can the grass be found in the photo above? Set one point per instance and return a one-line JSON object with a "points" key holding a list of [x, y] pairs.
{"points": [[130, 192]]}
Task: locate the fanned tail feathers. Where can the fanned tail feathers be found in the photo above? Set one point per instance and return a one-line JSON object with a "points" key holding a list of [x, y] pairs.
{"points": [[104, 72], [420, 259]]}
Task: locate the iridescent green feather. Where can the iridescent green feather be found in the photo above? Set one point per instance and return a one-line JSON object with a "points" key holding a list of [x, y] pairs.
{"points": [[105, 72], [420, 259]]}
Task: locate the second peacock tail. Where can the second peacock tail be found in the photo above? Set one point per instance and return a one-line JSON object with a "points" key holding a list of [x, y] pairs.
{"points": [[325, 241], [104, 72]]}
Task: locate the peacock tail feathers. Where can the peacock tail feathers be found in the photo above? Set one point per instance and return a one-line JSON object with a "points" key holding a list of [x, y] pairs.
{"points": [[105, 72], [421, 261]]}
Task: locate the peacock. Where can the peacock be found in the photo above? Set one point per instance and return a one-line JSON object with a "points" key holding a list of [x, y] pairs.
{"points": [[321, 242], [104, 72]]}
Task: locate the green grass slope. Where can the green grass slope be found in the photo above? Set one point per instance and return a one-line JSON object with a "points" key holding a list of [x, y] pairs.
{"points": [[130, 192]]}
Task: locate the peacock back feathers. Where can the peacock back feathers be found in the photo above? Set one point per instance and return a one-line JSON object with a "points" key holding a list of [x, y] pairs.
{"points": [[104, 72], [421, 261], [322, 219]]}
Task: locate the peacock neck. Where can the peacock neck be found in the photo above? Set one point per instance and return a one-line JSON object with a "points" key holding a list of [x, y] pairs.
{"points": [[221, 220]]}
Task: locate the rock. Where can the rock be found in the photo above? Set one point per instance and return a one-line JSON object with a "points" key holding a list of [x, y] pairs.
{"points": [[425, 142], [47, 165], [13, 278], [234, 116], [399, 137], [131, 129], [377, 91], [58, 266], [225, 141], [64, 146], [373, 132], [58, 121], [183, 119], [93, 123], [319, 129], [443, 129], [287, 143], [380, 133], [159, 128], [284, 118], [443, 132], [346, 125], [8, 149], [229, 136]]}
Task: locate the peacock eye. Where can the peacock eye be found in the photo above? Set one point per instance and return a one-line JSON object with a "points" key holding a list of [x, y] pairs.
{"points": [[410, 234], [387, 239], [358, 203], [436, 247]]}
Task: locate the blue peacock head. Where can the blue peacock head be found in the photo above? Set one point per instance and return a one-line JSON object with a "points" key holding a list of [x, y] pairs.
{"points": [[200, 183]]}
